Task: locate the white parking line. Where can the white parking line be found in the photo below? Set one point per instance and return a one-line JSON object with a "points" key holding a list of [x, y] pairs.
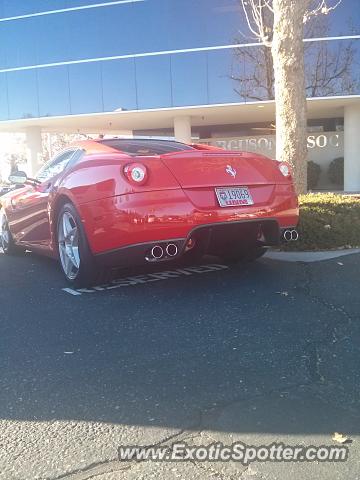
{"points": [[147, 278], [71, 291]]}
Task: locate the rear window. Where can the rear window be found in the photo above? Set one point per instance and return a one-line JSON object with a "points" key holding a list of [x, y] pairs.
{"points": [[146, 147]]}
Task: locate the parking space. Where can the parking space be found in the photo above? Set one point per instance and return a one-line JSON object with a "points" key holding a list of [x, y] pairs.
{"points": [[187, 350]]}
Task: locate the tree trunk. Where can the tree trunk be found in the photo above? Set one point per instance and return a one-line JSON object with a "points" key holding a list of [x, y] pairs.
{"points": [[290, 96]]}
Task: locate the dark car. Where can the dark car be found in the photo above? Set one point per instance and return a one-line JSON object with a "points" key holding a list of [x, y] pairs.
{"points": [[5, 189]]}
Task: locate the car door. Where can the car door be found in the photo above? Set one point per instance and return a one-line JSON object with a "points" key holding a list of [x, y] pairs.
{"points": [[29, 220]]}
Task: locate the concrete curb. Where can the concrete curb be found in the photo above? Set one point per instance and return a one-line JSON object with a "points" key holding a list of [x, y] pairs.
{"points": [[309, 257]]}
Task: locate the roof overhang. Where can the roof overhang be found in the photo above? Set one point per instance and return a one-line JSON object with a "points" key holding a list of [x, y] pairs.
{"points": [[204, 115]]}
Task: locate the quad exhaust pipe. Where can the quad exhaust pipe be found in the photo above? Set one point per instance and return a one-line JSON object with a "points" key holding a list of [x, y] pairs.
{"points": [[158, 252], [171, 250], [290, 235]]}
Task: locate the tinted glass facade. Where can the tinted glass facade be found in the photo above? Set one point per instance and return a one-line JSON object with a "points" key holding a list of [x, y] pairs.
{"points": [[65, 57]]}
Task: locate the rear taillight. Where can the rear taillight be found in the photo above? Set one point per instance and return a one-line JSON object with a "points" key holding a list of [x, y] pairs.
{"points": [[136, 173]]}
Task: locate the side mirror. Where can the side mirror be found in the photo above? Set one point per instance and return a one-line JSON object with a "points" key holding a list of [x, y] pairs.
{"points": [[18, 178]]}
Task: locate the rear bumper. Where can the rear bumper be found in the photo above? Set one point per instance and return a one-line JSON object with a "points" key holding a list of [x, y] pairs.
{"points": [[212, 239], [132, 222]]}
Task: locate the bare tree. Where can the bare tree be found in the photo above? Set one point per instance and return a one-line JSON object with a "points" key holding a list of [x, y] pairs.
{"points": [[53, 143], [329, 67], [279, 26], [14, 160], [256, 77], [253, 71]]}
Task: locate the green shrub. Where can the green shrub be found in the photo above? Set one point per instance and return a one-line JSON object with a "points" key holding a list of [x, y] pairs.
{"points": [[327, 221], [336, 172], [313, 174]]}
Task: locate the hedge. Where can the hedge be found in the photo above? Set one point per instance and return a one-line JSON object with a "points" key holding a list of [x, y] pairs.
{"points": [[313, 174], [327, 221], [336, 172]]}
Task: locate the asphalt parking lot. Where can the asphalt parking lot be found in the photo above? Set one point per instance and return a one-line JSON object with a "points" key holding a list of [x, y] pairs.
{"points": [[259, 353]]}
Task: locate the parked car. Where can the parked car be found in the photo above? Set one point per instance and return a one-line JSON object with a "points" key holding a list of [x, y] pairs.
{"points": [[5, 189], [118, 202]]}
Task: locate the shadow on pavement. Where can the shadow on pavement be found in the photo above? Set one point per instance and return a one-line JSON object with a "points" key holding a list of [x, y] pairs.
{"points": [[196, 351]]}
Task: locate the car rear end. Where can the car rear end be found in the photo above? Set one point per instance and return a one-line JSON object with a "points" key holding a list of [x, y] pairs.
{"points": [[162, 204]]}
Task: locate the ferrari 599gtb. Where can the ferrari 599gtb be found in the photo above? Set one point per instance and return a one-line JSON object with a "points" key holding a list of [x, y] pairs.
{"points": [[120, 203]]}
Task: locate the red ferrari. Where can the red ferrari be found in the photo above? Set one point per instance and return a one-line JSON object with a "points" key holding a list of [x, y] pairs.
{"points": [[121, 202]]}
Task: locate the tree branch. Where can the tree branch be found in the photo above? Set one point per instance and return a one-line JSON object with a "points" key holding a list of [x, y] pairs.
{"points": [[322, 8]]}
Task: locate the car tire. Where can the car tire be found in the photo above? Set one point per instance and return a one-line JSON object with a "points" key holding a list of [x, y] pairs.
{"points": [[6, 239], [247, 256], [76, 259]]}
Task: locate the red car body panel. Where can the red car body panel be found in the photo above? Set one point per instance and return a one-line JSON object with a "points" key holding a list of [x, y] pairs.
{"points": [[178, 197], [144, 217]]}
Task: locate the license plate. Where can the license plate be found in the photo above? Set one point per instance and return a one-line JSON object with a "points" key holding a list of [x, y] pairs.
{"points": [[233, 196]]}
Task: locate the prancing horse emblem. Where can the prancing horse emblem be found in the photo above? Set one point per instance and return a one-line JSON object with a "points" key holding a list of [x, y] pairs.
{"points": [[231, 171]]}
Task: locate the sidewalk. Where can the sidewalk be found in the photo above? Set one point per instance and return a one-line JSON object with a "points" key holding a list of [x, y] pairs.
{"points": [[309, 257]]}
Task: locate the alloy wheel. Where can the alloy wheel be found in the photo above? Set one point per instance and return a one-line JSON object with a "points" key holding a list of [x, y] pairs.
{"points": [[4, 233], [68, 240]]}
